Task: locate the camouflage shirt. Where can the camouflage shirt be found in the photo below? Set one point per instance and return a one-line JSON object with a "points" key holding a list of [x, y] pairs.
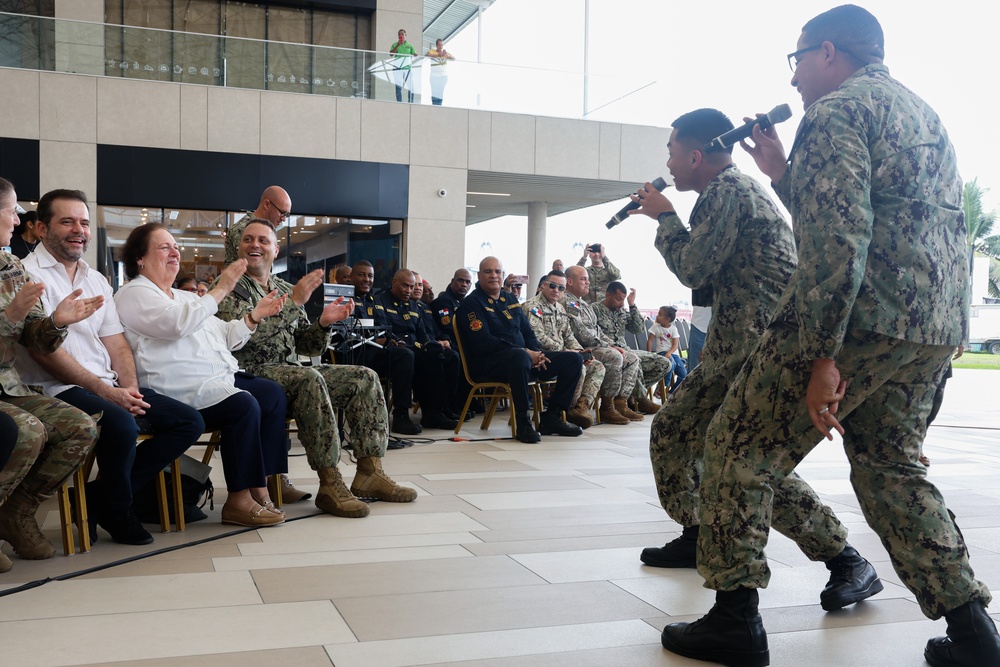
{"points": [[550, 322], [278, 339], [600, 277], [36, 332], [583, 321], [615, 323], [739, 246], [876, 203]]}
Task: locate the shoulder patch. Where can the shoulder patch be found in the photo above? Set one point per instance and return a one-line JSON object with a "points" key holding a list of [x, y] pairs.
{"points": [[475, 325]]}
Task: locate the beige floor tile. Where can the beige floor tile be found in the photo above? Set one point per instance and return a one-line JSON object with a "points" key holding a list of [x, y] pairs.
{"points": [[562, 460], [527, 500], [450, 612], [648, 655], [886, 645], [355, 543], [483, 645], [633, 541], [371, 526], [310, 656], [334, 582], [505, 485], [582, 530], [79, 597], [114, 637], [338, 558], [587, 565], [509, 474], [568, 516]]}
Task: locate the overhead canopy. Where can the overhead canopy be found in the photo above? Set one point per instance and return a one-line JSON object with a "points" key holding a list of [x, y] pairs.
{"points": [[443, 19], [562, 194]]}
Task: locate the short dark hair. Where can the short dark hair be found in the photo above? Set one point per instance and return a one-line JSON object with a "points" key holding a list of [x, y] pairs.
{"points": [[363, 263], [6, 187], [136, 246], [29, 216], [261, 221], [186, 279], [555, 272], [45, 203], [669, 311], [616, 287], [851, 29], [701, 126]]}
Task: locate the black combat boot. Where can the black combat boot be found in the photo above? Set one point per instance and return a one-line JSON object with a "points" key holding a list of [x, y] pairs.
{"points": [[852, 579], [732, 633], [552, 423], [972, 639], [402, 424], [681, 552], [526, 429]]}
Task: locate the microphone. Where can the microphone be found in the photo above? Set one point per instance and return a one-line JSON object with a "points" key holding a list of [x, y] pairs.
{"points": [[659, 184], [778, 114]]}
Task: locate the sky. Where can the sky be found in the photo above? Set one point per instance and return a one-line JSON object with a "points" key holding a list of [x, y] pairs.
{"points": [[730, 56]]}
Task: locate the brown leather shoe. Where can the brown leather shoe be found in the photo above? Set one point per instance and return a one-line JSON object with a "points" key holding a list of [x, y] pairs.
{"points": [[289, 494], [621, 405], [256, 517], [646, 406]]}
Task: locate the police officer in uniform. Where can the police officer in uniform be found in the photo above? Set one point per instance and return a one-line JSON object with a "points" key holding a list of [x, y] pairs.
{"points": [[444, 306], [436, 365], [501, 346]]}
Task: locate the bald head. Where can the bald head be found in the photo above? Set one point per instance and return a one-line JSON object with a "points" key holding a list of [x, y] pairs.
{"points": [[461, 282], [402, 284], [577, 281], [491, 276], [275, 205]]}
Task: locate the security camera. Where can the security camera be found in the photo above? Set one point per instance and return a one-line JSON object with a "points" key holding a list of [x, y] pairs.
{"points": [[442, 193]]}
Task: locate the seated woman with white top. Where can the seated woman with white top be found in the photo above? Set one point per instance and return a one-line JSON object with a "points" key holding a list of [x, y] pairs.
{"points": [[183, 351]]}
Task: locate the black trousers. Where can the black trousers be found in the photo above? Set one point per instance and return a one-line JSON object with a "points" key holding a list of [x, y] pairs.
{"points": [[435, 378], [513, 366], [397, 364], [123, 465], [253, 432]]}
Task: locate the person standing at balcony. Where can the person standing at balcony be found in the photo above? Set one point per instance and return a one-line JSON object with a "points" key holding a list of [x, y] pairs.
{"points": [[404, 53], [439, 71]]}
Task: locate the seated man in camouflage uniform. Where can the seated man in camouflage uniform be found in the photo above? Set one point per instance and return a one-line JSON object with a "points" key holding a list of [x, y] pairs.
{"points": [[615, 320], [550, 323], [53, 437], [621, 366], [313, 392]]}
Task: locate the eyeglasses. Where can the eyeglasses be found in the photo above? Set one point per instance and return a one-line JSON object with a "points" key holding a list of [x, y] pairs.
{"points": [[283, 215], [561, 288], [795, 56]]}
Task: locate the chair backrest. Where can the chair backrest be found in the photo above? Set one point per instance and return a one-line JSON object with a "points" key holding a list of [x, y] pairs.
{"points": [[632, 342], [461, 352], [684, 331]]}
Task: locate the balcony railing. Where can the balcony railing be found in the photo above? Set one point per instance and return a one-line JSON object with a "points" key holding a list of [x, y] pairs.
{"points": [[59, 45]]}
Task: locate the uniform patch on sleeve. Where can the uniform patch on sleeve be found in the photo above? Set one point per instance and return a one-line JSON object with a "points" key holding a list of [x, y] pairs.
{"points": [[476, 325], [536, 311], [446, 319]]}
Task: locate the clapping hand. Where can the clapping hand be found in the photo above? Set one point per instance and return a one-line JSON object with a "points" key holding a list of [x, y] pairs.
{"points": [[306, 285], [336, 311], [268, 306], [24, 300], [73, 309]]}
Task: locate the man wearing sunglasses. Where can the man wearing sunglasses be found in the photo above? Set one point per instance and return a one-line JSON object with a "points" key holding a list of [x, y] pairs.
{"points": [[863, 334], [550, 323]]}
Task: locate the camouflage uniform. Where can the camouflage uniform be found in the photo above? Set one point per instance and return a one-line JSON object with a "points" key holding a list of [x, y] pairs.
{"points": [[550, 323], [741, 247], [615, 323], [313, 392], [53, 437], [882, 287], [620, 371], [600, 277]]}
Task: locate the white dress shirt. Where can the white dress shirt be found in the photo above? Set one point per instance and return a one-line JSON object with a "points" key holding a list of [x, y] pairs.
{"points": [[83, 341], [181, 349]]}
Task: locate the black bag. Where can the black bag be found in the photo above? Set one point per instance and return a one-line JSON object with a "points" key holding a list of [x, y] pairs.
{"points": [[196, 490]]}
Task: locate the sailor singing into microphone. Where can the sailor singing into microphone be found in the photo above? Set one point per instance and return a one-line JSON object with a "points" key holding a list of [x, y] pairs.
{"points": [[740, 245]]}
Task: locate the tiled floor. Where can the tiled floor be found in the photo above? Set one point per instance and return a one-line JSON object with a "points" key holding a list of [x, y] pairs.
{"points": [[512, 555]]}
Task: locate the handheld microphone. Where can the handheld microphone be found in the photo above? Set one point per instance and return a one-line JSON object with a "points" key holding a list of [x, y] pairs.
{"points": [[659, 184], [778, 114]]}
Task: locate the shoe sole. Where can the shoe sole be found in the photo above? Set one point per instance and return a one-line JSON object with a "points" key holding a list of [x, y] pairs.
{"points": [[839, 603], [653, 561], [728, 658]]}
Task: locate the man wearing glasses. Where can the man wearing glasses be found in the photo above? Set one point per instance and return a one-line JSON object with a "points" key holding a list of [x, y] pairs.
{"points": [[275, 206], [862, 336], [550, 323]]}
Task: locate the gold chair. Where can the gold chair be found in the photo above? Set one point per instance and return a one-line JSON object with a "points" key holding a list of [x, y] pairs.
{"points": [[290, 427], [494, 391], [80, 478]]}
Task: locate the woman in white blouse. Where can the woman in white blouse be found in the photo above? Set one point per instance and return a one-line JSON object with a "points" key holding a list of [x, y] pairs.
{"points": [[183, 351]]}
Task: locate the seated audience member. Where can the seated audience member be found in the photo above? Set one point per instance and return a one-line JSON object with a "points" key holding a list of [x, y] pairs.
{"points": [[183, 351], [550, 323], [664, 340], [313, 393], [187, 284], [426, 317], [614, 319], [601, 271], [513, 285], [52, 438], [436, 365], [391, 361], [444, 306], [428, 294], [501, 346], [202, 288], [342, 274], [24, 243], [621, 365], [94, 371]]}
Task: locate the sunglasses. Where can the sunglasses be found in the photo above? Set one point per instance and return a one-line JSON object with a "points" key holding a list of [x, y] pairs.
{"points": [[561, 288]]}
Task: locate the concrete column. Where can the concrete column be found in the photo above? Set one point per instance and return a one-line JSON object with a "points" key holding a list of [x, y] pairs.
{"points": [[538, 212]]}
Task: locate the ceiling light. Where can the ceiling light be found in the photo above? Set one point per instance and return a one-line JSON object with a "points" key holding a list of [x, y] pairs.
{"points": [[490, 194]]}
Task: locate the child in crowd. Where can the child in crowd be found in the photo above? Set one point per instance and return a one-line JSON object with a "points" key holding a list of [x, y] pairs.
{"points": [[664, 340]]}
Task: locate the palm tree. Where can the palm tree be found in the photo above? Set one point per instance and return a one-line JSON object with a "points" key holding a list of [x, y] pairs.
{"points": [[979, 225]]}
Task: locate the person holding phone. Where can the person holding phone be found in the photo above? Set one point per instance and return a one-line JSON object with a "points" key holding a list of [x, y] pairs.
{"points": [[601, 271]]}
